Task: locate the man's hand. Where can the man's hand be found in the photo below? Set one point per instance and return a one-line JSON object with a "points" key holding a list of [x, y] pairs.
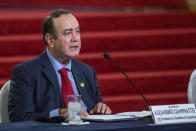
{"points": [[84, 113], [64, 112], [101, 108]]}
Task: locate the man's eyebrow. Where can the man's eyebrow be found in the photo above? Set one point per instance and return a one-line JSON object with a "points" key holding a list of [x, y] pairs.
{"points": [[68, 30]]}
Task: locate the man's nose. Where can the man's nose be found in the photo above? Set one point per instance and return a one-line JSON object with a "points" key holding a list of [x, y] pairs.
{"points": [[75, 37]]}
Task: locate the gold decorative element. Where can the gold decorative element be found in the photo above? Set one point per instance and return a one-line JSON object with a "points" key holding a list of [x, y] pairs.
{"points": [[82, 84]]}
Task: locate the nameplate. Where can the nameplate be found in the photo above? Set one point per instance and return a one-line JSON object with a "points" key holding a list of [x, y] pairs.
{"points": [[179, 113]]}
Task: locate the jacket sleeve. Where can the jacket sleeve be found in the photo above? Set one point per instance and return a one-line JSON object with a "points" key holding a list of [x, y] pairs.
{"points": [[98, 93], [21, 105]]}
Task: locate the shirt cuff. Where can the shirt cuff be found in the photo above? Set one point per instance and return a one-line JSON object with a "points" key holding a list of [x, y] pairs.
{"points": [[54, 113]]}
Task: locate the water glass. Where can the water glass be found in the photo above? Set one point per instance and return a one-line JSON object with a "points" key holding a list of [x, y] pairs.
{"points": [[74, 109]]}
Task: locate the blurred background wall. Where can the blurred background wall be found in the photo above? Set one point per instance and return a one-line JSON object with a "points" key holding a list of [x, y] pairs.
{"points": [[153, 40]]}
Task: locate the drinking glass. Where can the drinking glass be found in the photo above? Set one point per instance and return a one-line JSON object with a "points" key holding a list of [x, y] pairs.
{"points": [[74, 109]]}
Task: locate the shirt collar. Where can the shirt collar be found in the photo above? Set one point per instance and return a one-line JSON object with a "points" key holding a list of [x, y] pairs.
{"points": [[56, 64]]}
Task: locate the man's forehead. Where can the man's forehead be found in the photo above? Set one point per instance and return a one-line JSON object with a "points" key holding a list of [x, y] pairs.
{"points": [[65, 21]]}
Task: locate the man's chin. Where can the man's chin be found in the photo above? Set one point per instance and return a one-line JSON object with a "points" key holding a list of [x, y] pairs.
{"points": [[73, 56]]}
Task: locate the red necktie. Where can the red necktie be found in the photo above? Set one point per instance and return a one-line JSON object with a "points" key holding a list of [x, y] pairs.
{"points": [[66, 86]]}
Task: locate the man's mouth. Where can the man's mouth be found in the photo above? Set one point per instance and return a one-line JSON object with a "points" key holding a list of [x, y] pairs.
{"points": [[74, 47]]}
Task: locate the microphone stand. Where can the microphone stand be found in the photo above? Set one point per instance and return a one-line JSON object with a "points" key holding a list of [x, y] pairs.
{"points": [[132, 83]]}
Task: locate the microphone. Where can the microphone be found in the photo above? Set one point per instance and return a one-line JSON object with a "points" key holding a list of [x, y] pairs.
{"points": [[107, 56]]}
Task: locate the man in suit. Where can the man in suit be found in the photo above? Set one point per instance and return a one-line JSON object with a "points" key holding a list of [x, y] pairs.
{"points": [[36, 85]]}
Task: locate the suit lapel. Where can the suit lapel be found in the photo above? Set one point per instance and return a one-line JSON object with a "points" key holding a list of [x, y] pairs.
{"points": [[50, 73], [82, 85]]}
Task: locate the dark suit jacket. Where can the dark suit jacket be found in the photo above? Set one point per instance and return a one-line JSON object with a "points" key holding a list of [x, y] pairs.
{"points": [[34, 89]]}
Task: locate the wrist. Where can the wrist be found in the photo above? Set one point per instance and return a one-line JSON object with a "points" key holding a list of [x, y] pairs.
{"points": [[63, 112]]}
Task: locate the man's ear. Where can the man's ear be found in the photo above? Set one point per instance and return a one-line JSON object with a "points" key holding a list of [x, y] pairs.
{"points": [[50, 40]]}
